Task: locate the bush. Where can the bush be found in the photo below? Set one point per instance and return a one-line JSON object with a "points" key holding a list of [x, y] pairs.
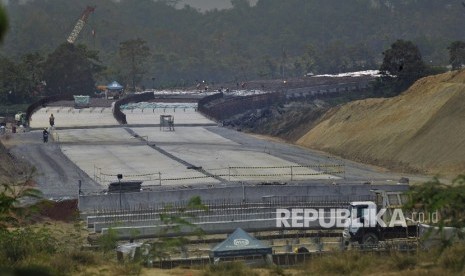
{"points": [[108, 241], [19, 244], [85, 258], [67, 262], [345, 263], [229, 269], [36, 270], [277, 271], [403, 261], [453, 258], [127, 268]]}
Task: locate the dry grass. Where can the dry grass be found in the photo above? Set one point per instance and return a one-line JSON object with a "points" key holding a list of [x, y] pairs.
{"points": [[70, 259], [449, 262]]}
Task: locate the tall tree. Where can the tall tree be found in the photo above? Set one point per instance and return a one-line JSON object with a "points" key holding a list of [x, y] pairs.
{"points": [[69, 71], [14, 84], [434, 196], [214, 44], [3, 23], [402, 64], [33, 64], [457, 54], [240, 4], [134, 54]]}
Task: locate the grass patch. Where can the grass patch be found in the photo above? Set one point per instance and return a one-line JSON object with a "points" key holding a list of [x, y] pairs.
{"points": [[346, 263], [434, 262], [230, 269], [453, 259]]}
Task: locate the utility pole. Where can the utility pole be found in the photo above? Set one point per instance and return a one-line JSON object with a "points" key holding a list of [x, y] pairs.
{"points": [[120, 176]]}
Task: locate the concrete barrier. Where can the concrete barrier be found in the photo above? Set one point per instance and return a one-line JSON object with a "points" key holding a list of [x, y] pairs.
{"points": [[257, 193], [244, 218], [222, 227]]}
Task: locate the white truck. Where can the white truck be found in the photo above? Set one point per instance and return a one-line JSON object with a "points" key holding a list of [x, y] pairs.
{"points": [[383, 219], [20, 118]]}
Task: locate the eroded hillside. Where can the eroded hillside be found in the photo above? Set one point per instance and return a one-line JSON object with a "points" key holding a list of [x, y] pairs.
{"points": [[421, 130], [8, 169]]}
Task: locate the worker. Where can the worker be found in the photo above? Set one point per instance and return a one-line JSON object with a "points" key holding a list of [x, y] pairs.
{"points": [[45, 135], [52, 120]]}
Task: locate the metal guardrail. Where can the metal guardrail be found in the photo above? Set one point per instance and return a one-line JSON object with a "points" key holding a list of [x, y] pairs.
{"points": [[291, 172]]}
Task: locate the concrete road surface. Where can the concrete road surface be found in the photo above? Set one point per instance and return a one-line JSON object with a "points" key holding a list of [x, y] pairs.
{"points": [[90, 146]]}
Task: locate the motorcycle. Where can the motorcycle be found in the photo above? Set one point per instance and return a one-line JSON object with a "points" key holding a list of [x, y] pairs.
{"points": [[45, 136]]}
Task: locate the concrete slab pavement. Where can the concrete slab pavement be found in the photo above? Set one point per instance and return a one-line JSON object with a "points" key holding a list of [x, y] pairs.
{"points": [[105, 152], [181, 115], [135, 162], [102, 116], [71, 117], [199, 154]]}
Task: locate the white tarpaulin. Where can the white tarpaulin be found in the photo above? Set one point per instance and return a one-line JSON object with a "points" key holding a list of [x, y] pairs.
{"points": [[81, 101]]}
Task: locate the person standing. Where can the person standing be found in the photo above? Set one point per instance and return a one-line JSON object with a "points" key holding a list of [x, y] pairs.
{"points": [[52, 120]]}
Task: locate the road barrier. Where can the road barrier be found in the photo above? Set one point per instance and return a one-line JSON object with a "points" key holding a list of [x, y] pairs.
{"points": [[236, 105], [43, 102], [119, 115], [232, 172]]}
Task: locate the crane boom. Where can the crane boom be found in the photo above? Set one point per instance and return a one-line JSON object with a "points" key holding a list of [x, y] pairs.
{"points": [[80, 24]]}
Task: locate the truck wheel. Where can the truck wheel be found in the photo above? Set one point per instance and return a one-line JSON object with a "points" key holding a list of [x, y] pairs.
{"points": [[370, 239]]}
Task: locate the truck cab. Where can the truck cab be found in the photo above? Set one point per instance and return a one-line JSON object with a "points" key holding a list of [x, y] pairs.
{"points": [[361, 213]]}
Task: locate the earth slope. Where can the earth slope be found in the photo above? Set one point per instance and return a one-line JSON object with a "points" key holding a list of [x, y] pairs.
{"points": [[8, 168], [421, 130]]}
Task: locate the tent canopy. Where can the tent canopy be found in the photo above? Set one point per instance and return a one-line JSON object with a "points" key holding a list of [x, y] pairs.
{"points": [[114, 86], [240, 243]]}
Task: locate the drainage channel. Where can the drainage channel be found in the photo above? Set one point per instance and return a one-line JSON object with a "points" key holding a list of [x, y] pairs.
{"points": [[175, 158]]}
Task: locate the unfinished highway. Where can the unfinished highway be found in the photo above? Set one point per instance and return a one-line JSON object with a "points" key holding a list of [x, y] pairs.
{"points": [[89, 146], [243, 177]]}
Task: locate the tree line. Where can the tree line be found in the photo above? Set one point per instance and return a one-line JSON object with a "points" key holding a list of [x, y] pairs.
{"points": [[151, 43]]}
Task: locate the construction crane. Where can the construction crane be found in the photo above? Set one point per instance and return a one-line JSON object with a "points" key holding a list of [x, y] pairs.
{"points": [[80, 24]]}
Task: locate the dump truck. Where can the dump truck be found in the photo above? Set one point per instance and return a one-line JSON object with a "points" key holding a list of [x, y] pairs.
{"points": [[383, 219]]}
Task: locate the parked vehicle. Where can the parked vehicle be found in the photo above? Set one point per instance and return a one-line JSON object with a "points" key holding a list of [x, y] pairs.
{"points": [[372, 222], [20, 118]]}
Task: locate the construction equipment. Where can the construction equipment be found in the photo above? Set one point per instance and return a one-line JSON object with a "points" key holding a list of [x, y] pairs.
{"points": [[80, 24], [167, 122], [379, 220], [20, 118]]}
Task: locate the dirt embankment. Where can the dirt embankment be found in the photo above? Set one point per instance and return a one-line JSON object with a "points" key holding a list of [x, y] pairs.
{"points": [[288, 122], [8, 165], [421, 130]]}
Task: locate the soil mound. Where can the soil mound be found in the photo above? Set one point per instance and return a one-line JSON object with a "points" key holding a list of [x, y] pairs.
{"points": [[421, 130]]}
